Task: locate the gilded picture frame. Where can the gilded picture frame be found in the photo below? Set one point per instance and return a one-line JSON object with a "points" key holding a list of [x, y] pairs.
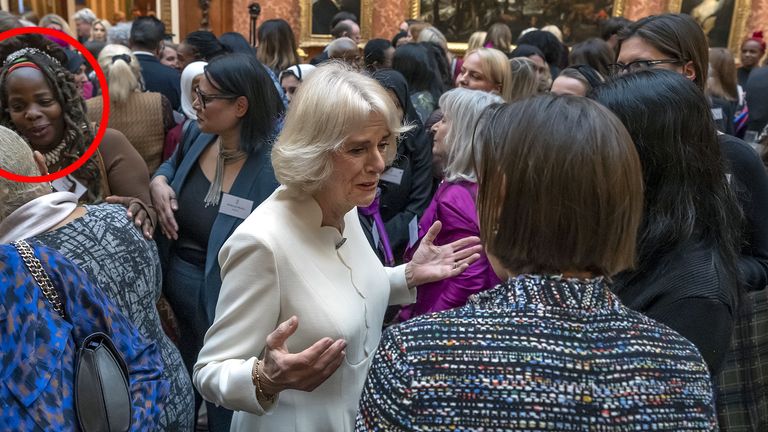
{"points": [[311, 26], [415, 11], [725, 33]]}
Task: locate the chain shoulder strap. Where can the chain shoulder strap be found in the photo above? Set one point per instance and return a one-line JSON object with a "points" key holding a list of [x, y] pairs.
{"points": [[38, 273]]}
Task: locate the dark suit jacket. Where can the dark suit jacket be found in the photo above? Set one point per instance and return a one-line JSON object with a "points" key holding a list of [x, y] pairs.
{"points": [[256, 181], [757, 89], [161, 78]]}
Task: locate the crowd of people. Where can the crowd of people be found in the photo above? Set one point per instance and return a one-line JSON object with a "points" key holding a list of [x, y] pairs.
{"points": [[389, 236]]}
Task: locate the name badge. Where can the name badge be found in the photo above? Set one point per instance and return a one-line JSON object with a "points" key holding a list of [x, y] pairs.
{"points": [[717, 113], [69, 184], [393, 175], [235, 206], [413, 231]]}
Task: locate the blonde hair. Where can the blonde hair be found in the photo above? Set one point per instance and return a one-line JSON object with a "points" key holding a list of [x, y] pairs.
{"points": [[432, 34], [123, 77], [462, 108], [332, 103], [525, 78], [555, 30], [476, 40], [104, 23], [49, 19], [17, 158], [495, 65]]}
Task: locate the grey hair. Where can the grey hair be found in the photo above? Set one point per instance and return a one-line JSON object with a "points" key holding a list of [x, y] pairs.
{"points": [[17, 158], [462, 108], [120, 33], [85, 14], [331, 104]]}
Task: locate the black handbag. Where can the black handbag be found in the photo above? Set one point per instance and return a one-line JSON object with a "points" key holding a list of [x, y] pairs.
{"points": [[102, 392]]}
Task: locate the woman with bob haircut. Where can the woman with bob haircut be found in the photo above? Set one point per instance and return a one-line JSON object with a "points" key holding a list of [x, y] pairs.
{"points": [[454, 201], [302, 257], [486, 69], [686, 274], [218, 174], [676, 42], [560, 200]]}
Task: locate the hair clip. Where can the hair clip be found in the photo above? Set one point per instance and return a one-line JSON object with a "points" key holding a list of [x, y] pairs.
{"points": [[124, 57], [17, 55]]}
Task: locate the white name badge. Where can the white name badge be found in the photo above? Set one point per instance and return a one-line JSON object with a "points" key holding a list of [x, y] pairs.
{"points": [[393, 175], [413, 231], [717, 113], [235, 206], [69, 184]]}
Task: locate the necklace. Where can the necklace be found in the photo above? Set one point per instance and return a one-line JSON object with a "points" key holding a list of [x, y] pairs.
{"points": [[225, 157], [52, 157]]}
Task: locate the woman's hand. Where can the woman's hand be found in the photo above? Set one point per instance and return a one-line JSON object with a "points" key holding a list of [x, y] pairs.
{"points": [[164, 200], [432, 263], [301, 371], [142, 215]]}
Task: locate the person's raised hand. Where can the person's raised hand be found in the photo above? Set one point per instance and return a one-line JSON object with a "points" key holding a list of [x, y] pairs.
{"points": [[300, 371], [432, 263]]}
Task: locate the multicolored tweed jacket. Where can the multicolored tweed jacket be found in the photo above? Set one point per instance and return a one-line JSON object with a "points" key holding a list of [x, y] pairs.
{"points": [[537, 353], [37, 347]]}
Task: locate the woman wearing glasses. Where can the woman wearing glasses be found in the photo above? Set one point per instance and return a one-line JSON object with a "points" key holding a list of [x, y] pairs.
{"points": [[676, 42], [218, 174]]}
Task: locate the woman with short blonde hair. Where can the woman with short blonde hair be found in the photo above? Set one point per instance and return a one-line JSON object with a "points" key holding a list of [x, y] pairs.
{"points": [[302, 155], [486, 69], [525, 78], [476, 40]]}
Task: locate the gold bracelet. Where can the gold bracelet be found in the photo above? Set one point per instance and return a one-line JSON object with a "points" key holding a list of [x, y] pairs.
{"points": [[256, 377]]}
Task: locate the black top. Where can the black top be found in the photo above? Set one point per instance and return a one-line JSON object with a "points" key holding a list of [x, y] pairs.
{"points": [[689, 291], [757, 98], [195, 218], [161, 78], [742, 75], [748, 179], [723, 112]]}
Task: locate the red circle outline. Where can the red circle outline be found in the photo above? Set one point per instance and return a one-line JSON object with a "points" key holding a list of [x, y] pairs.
{"points": [[105, 105]]}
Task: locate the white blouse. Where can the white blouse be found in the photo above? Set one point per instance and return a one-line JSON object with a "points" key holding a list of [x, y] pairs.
{"points": [[278, 263]]}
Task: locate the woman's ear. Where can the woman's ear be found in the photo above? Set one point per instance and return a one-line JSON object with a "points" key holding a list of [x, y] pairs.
{"points": [[689, 71], [241, 105]]}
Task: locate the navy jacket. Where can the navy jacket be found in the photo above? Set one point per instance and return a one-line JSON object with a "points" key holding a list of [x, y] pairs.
{"points": [[256, 181], [161, 78]]}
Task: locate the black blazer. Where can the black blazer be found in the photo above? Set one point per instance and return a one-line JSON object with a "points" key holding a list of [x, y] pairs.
{"points": [[161, 78]]}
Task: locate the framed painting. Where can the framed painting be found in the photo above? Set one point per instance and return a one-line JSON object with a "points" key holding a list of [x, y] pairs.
{"points": [[723, 21], [458, 19], [316, 16]]}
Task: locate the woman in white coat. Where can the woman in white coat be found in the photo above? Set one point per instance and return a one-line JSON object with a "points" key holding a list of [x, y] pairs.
{"points": [[302, 257]]}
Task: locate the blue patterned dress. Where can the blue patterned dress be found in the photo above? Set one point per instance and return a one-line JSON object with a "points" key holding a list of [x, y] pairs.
{"points": [[37, 347]]}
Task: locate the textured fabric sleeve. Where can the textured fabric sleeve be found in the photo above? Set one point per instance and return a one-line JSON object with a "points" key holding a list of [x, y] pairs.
{"points": [[752, 192], [90, 310], [386, 402], [247, 311], [457, 213], [127, 172], [707, 323]]}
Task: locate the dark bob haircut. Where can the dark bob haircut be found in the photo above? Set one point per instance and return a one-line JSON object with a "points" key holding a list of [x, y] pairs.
{"points": [[573, 164], [687, 196], [242, 75]]}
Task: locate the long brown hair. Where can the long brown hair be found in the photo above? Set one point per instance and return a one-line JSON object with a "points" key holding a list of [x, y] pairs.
{"points": [[722, 81], [277, 45]]}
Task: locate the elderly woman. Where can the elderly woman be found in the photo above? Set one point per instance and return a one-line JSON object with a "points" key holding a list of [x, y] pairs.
{"points": [[39, 347], [302, 257], [218, 174], [552, 347], [454, 201]]}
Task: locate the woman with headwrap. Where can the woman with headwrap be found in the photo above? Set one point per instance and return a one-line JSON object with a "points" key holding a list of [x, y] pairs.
{"points": [[405, 187]]}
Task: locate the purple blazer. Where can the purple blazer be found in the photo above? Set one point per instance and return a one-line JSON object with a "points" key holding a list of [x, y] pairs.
{"points": [[454, 205]]}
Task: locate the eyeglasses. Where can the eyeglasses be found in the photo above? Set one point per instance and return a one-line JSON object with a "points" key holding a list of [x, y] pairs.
{"points": [[205, 99], [638, 65]]}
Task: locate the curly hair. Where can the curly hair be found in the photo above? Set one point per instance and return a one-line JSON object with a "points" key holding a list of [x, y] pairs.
{"points": [[78, 134]]}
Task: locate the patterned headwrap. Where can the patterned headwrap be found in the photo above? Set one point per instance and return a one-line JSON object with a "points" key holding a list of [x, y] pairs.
{"points": [[22, 55]]}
